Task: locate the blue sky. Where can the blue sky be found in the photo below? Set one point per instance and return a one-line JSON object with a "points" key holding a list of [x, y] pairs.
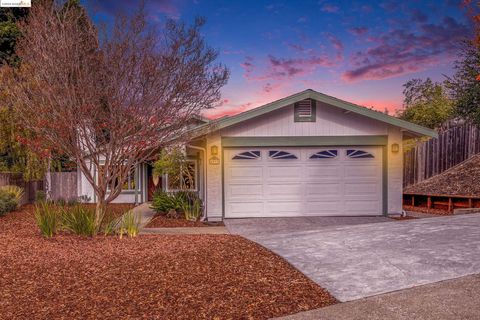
{"points": [[360, 51]]}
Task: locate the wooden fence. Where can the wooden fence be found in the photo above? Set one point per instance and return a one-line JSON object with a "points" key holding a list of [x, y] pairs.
{"points": [[434, 156], [63, 185]]}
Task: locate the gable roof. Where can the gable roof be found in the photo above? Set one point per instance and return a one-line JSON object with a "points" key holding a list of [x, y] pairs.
{"points": [[414, 129]]}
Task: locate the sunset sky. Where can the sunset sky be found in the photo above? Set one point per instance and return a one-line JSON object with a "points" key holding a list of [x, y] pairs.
{"points": [[359, 51]]}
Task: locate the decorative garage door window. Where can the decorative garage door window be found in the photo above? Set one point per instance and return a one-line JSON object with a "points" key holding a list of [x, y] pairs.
{"points": [[274, 154], [325, 154], [247, 155], [359, 154]]}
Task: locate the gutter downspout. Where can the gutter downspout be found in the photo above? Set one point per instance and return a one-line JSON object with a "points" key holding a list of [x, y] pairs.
{"points": [[205, 217]]}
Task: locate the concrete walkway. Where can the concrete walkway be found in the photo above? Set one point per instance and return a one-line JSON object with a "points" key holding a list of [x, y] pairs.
{"points": [[356, 261], [145, 214], [446, 300]]}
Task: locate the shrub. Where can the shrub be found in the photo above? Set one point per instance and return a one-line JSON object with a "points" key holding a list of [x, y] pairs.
{"points": [[79, 220], [129, 224], [8, 202], [16, 191], [48, 218], [193, 210], [40, 196], [166, 201]]}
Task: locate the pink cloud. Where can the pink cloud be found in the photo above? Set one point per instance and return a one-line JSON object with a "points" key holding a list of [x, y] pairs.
{"points": [[399, 52], [305, 62]]}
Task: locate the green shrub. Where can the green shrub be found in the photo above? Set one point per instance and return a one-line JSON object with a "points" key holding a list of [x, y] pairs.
{"points": [[129, 224], [48, 218], [73, 202], [193, 210], [16, 191], [61, 202], [79, 220], [8, 202], [40, 196], [166, 201]]}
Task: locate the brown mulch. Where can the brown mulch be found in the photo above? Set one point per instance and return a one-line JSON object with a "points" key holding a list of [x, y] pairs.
{"points": [[438, 212], [459, 180], [161, 221], [148, 277]]}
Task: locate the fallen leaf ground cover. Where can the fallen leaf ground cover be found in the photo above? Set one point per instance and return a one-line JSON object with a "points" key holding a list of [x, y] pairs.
{"points": [[149, 277]]}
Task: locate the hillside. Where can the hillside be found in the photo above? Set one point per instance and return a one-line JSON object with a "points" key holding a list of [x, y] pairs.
{"points": [[463, 179]]}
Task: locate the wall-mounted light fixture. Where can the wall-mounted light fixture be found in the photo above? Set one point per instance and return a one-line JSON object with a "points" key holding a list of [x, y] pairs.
{"points": [[395, 147], [214, 150]]}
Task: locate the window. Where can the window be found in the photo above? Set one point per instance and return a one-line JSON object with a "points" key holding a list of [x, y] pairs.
{"points": [[305, 111], [359, 154], [187, 180], [326, 154], [274, 154], [128, 185], [247, 155]]}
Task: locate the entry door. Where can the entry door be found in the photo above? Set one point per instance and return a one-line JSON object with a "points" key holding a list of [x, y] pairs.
{"points": [[287, 182]]}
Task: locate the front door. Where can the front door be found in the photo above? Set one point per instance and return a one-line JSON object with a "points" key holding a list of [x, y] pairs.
{"points": [[154, 182]]}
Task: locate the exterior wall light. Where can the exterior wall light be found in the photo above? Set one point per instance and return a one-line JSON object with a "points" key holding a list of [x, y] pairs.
{"points": [[395, 147], [214, 150]]}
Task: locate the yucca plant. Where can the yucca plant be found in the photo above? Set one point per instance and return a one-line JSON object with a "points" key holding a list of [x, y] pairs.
{"points": [[79, 220], [48, 218], [129, 224], [15, 191]]}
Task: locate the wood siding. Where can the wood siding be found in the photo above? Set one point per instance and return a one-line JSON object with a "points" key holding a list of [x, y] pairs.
{"points": [[330, 121], [434, 156]]}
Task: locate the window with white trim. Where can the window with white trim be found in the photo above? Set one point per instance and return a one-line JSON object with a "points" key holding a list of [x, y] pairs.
{"points": [[325, 154], [277, 154], [359, 154], [247, 155]]}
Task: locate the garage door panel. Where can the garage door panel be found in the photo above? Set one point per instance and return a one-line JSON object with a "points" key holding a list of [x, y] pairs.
{"points": [[323, 207], [323, 190], [245, 172], [245, 209], [283, 172], [361, 171], [285, 190], [362, 189], [365, 207], [283, 208], [248, 191], [338, 185], [322, 171]]}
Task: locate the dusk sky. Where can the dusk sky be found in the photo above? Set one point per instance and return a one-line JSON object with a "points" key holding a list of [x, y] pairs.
{"points": [[359, 51]]}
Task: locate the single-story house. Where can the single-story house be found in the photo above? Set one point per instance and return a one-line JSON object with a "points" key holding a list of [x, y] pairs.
{"points": [[308, 154]]}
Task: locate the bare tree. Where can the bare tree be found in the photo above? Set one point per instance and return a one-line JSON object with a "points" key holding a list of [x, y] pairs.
{"points": [[112, 99]]}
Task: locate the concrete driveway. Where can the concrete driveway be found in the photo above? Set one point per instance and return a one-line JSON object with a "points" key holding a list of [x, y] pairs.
{"points": [[359, 257]]}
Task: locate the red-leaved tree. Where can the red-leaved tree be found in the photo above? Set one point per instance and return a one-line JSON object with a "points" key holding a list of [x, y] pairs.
{"points": [[110, 100]]}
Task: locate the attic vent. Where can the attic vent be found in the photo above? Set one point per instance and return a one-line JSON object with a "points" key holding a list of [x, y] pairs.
{"points": [[304, 111]]}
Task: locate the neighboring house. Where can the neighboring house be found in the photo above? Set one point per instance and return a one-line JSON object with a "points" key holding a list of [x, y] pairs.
{"points": [[306, 154]]}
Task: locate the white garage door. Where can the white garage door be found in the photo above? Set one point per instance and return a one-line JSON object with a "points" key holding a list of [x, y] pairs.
{"points": [[285, 182]]}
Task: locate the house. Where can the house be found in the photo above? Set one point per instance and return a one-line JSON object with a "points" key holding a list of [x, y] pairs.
{"points": [[306, 154]]}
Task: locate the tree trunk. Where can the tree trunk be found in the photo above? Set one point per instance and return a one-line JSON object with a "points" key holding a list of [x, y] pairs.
{"points": [[100, 211]]}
